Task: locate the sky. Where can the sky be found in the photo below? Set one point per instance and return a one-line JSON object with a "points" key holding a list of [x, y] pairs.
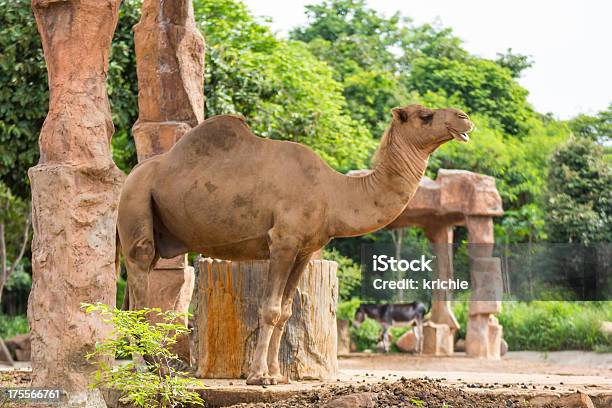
{"points": [[569, 41]]}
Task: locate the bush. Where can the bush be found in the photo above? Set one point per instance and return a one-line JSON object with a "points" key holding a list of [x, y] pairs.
{"points": [[13, 325], [396, 333], [160, 384], [367, 335], [346, 310], [349, 274], [551, 325]]}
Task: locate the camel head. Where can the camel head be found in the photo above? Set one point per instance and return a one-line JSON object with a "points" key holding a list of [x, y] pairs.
{"points": [[427, 129]]}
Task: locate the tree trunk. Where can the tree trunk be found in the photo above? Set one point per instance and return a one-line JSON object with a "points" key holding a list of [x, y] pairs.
{"points": [[228, 299], [75, 192]]}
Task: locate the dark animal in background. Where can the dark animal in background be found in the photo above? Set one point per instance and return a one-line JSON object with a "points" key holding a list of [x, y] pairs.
{"points": [[394, 314]]}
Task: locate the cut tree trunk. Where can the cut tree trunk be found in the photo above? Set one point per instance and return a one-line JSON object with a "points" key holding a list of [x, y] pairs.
{"points": [[229, 295]]}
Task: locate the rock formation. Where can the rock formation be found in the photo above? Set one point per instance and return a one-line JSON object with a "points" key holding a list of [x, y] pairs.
{"points": [[75, 192], [228, 194], [170, 67], [460, 198]]}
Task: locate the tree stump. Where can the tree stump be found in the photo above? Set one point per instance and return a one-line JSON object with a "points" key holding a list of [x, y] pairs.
{"points": [[228, 298]]}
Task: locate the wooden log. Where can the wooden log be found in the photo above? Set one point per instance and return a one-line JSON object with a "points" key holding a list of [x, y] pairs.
{"points": [[344, 336], [228, 298]]}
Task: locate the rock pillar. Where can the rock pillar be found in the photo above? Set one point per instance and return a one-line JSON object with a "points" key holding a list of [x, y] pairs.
{"points": [[484, 334], [170, 67], [75, 192], [439, 341]]}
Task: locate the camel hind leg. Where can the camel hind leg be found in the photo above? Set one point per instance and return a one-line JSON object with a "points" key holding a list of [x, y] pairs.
{"points": [[135, 227]]}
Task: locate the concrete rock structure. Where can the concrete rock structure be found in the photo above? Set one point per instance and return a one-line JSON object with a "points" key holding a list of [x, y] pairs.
{"points": [[170, 67], [461, 198], [75, 193]]}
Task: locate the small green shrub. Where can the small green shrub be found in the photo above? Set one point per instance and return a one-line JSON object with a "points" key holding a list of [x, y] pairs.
{"points": [[367, 335], [550, 325], [349, 274], [158, 384], [13, 325], [346, 310], [461, 313], [396, 333]]}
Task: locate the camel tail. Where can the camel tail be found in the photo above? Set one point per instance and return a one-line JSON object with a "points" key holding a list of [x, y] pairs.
{"points": [[126, 294]]}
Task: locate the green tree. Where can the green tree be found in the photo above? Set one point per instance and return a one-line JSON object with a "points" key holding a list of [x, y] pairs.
{"points": [[597, 127], [14, 237], [24, 94], [122, 85], [248, 71], [358, 43], [515, 63], [282, 89], [24, 97], [580, 199], [429, 40], [351, 36], [482, 85]]}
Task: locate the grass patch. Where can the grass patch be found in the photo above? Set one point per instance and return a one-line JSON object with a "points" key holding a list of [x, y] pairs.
{"points": [[550, 325]]}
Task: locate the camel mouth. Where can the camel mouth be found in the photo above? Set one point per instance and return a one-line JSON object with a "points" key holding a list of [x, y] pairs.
{"points": [[460, 136]]}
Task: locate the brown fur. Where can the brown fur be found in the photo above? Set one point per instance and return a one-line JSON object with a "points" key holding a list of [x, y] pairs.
{"points": [[226, 193]]}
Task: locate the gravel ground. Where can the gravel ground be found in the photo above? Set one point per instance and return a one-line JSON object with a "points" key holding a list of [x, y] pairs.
{"points": [[402, 393]]}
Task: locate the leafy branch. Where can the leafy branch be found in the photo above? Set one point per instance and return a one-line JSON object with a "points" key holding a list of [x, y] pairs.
{"points": [[148, 335]]}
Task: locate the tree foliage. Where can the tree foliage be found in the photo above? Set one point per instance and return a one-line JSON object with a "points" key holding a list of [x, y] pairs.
{"points": [[24, 96], [330, 86], [14, 240], [515, 63], [284, 91], [597, 128], [482, 85], [580, 199]]}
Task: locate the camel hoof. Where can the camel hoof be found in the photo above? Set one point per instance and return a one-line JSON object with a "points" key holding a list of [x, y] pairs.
{"points": [[259, 379], [280, 379]]}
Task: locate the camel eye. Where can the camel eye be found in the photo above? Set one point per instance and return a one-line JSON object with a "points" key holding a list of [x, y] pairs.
{"points": [[426, 115], [462, 115]]}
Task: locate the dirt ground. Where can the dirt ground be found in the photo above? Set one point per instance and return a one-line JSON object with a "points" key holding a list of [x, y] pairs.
{"points": [[524, 379], [401, 393], [519, 380]]}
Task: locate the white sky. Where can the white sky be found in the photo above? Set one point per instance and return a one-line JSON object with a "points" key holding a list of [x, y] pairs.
{"points": [[570, 41]]}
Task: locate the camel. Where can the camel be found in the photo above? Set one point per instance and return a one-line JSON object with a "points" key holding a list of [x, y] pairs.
{"points": [[225, 193]]}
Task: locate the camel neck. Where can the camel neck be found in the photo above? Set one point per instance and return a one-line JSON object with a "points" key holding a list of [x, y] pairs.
{"points": [[368, 203]]}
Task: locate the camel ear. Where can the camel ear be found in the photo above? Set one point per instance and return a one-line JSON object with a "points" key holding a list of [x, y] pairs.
{"points": [[400, 114]]}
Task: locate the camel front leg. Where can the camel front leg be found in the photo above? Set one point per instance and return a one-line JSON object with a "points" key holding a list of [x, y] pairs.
{"points": [[282, 257], [286, 310]]}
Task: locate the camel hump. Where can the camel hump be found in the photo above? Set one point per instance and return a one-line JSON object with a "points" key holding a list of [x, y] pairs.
{"points": [[223, 132]]}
